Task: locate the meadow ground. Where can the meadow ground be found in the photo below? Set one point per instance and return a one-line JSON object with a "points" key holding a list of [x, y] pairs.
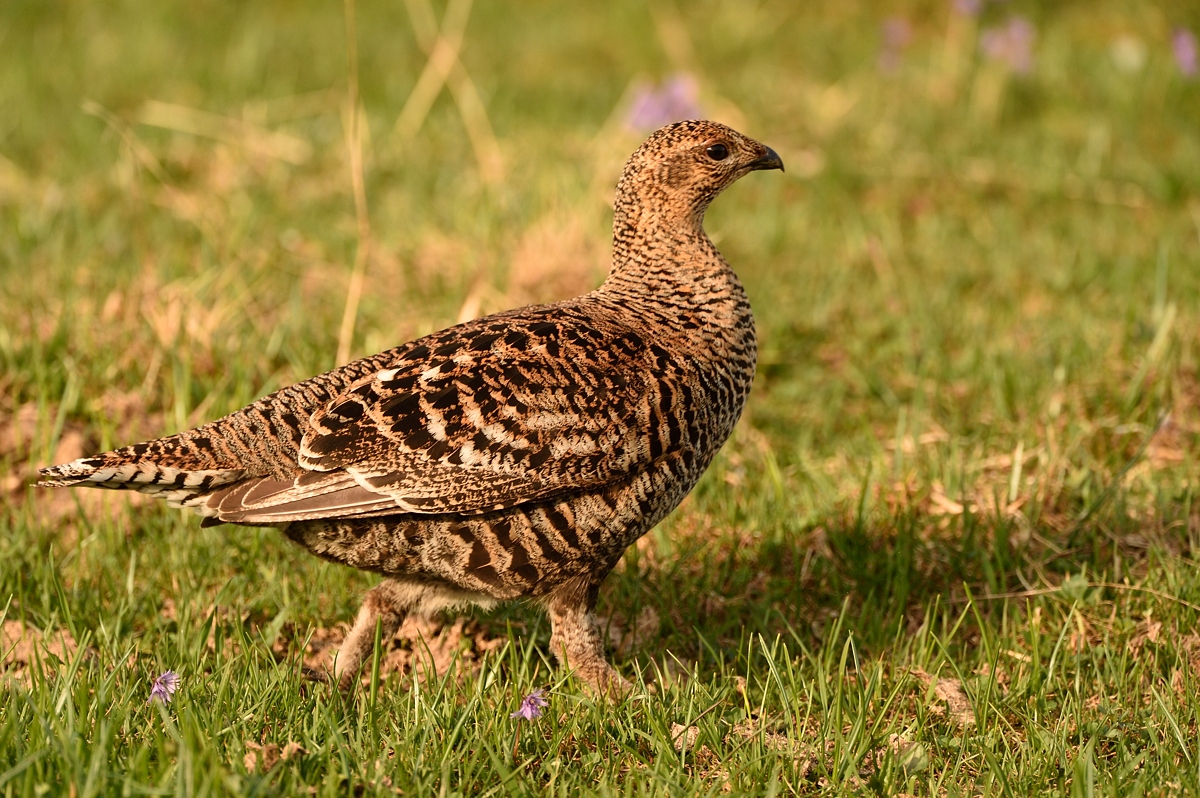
{"points": [[950, 549]]}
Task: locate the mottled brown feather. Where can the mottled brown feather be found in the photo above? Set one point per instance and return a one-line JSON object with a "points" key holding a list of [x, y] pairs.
{"points": [[514, 455]]}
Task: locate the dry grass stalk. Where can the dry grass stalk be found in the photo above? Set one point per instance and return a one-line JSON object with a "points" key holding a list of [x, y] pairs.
{"points": [[443, 68], [441, 49], [354, 126], [128, 137], [238, 132]]}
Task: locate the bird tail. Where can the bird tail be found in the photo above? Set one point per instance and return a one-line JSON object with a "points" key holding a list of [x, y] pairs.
{"points": [[127, 469]]}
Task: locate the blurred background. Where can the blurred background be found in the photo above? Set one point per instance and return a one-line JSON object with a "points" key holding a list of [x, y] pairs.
{"points": [[976, 284], [971, 448]]}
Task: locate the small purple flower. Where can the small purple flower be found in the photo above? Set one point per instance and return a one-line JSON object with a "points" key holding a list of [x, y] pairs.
{"points": [[968, 8], [1183, 44], [1011, 43], [531, 705], [164, 687], [897, 34], [655, 106]]}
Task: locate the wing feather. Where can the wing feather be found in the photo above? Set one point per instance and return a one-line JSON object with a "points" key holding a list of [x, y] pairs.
{"points": [[499, 415]]}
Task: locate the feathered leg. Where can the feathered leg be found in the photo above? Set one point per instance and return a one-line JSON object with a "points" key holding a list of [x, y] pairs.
{"points": [[576, 641], [386, 604]]}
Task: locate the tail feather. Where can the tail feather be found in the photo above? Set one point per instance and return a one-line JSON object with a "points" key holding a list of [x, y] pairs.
{"points": [[178, 486], [98, 472]]}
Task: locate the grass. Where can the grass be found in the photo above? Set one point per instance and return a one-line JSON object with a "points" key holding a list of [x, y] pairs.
{"points": [[950, 549]]}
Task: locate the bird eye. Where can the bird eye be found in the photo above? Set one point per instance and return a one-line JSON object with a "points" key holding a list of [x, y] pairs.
{"points": [[718, 152]]}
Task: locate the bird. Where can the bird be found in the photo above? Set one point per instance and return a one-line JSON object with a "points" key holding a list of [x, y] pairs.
{"points": [[513, 456]]}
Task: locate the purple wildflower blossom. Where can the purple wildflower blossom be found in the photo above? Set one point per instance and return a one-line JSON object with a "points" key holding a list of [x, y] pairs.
{"points": [[1183, 44], [1011, 43], [655, 106], [968, 8], [897, 34], [531, 705], [164, 687]]}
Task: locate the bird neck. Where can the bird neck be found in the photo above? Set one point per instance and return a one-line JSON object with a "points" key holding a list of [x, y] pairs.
{"points": [[666, 256], [668, 276]]}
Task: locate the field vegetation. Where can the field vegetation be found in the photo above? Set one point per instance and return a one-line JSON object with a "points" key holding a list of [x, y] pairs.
{"points": [[950, 549]]}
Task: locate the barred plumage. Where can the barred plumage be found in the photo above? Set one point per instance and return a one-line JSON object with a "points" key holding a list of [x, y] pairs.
{"points": [[514, 455]]}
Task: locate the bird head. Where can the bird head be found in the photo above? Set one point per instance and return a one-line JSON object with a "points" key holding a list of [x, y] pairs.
{"points": [[682, 167]]}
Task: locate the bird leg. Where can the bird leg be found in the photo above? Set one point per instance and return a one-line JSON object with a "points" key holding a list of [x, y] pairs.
{"points": [[387, 604], [576, 641]]}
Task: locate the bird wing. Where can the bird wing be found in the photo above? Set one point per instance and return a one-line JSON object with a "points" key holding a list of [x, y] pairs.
{"points": [[480, 419]]}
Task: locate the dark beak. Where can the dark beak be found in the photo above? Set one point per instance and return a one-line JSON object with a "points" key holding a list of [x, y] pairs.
{"points": [[770, 160]]}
